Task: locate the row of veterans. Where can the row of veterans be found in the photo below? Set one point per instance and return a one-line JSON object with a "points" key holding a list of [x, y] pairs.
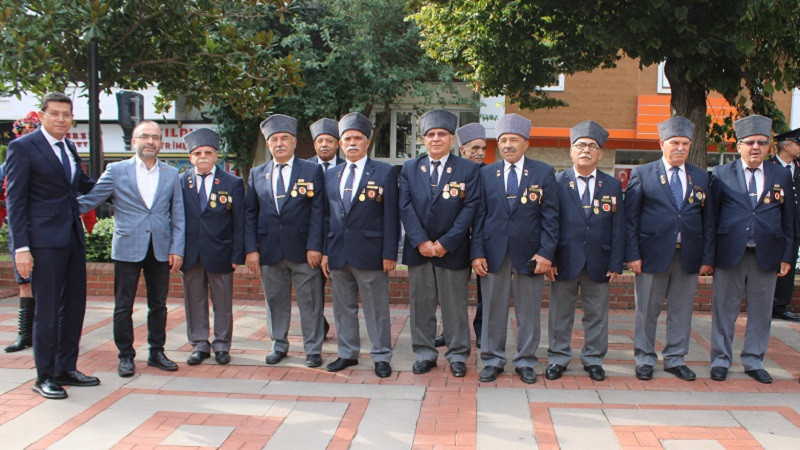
{"points": [[513, 223]]}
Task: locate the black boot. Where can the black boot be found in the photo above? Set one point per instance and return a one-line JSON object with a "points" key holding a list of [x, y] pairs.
{"points": [[25, 338]]}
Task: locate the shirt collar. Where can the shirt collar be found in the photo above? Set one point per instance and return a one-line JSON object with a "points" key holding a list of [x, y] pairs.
{"points": [[140, 164], [359, 164], [744, 166], [519, 165], [288, 163], [443, 160], [668, 166], [50, 139], [782, 163], [593, 174], [213, 171]]}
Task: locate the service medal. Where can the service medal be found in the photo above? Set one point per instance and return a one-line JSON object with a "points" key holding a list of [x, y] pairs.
{"points": [[445, 195], [596, 210], [766, 200], [223, 199], [371, 193], [606, 207], [362, 197], [523, 200], [691, 199], [301, 191], [310, 193], [533, 196], [212, 204], [663, 179], [293, 193], [449, 170], [423, 168], [453, 192]]}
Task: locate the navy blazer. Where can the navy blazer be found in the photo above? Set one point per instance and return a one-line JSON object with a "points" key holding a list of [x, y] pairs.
{"points": [[370, 231], [39, 197], [215, 237], [597, 243], [795, 191], [654, 220], [299, 226], [774, 216], [530, 228], [446, 216]]}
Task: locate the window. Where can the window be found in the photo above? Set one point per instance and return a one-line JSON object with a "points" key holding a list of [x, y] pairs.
{"points": [[663, 83], [558, 87]]}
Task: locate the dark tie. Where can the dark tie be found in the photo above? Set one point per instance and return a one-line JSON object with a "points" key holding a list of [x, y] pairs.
{"points": [[281, 188], [65, 162], [347, 197], [586, 201], [202, 193], [325, 166], [435, 177], [512, 186], [753, 191], [675, 187]]}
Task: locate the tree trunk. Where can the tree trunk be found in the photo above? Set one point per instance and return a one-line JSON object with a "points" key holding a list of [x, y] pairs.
{"points": [[247, 164], [689, 100]]}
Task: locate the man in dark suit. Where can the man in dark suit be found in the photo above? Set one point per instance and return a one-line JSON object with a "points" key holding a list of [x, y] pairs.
{"points": [[755, 240], [363, 230], [284, 237], [590, 253], [516, 227], [670, 230], [44, 176], [788, 151], [214, 204], [438, 199]]}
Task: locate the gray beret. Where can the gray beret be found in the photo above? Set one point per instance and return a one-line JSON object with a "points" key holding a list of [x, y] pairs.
{"points": [[675, 126], [588, 129], [201, 137], [514, 124], [279, 123], [355, 121], [438, 118], [752, 125], [324, 126], [470, 132]]}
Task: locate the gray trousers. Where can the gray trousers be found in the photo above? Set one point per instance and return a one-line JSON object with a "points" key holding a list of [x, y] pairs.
{"points": [[498, 288], [373, 285], [757, 286], [197, 283], [594, 302], [277, 279], [650, 290], [427, 285]]}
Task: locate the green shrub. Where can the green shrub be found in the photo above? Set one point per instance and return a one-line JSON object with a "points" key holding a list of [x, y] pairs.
{"points": [[4, 238], [98, 244]]}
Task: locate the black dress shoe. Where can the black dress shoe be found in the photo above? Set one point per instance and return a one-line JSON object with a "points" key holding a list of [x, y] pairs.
{"points": [[554, 371], [458, 368], [160, 360], [596, 372], [423, 366], [439, 342], [683, 372], [526, 374], [197, 357], [382, 369], [644, 372], [48, 388], [341, 364], [222, 357], [126, 367], [325, 327], [760, 375], [313, 360], [275, 357], [786, 315], [490, 373], [75, 378], [719, 373]]}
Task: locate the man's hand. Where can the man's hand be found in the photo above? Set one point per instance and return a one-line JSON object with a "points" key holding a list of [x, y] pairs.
{"points": [[785, 266], [480, 266], [612, 276], [426, 249], [326, 271], [253, 262], [24, 261], [314, 258], [635, 266], [552, 273], [705, 269], [542, 264], [234, 265], [175, 262], [439, 249], [389, 265]]}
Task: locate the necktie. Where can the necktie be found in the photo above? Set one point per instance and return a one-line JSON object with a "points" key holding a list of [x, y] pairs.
{"points": [[347, 198], [751, 189], [325, 166], [65, 162], [281, 188], [675, 187], [511, 187], [435, 177], [585, 200], [202, 193]]}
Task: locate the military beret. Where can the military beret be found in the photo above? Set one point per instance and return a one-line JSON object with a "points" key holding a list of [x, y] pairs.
{"points": [[355, 121], [438, 118], [470, 132], [675, 126], [793, 135], [324, 126], [201, 137], [588, 129], [278, 123], [514, 124], [752, 125]]}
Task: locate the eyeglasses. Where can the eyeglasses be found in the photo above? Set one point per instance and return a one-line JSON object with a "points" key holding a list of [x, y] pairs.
{"points": [[752, 143], [582, 146], [56, 116], [145, 137]]}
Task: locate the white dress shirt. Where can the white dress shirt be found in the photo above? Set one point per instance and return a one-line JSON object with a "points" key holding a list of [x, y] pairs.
{"points": [[759, 174], [785, 165], [443, 161], [52, 141], [681, 174], [359, 171], [582, 184], [146, 181], [209, 181], [518, 167], [287, 174]]}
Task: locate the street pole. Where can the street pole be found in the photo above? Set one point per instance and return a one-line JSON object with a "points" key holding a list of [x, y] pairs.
{"points": [[95, 152]]}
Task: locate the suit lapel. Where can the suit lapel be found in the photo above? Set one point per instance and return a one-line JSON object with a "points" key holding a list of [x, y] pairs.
{"points": [[736, 168], [194, 197], [369, 169], [768, 178], [422, 177], [572, 186], [663, 178], [49, 155], [134, 182], [295, 173], [447, 174], [689, 187], [161, 181], [266, 178]]}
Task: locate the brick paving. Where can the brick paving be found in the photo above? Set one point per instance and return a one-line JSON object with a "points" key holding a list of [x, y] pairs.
{"points": [[250, 405]]}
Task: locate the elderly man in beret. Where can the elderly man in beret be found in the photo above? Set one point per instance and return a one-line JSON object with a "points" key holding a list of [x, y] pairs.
{"points": [[755, 236], [363, 230], [590, 253], [438, 199], [514, 240], [788, 151], [284, 238], [213, 201], [670, 231]]}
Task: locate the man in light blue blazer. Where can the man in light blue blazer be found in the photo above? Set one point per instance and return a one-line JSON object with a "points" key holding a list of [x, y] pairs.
{"points": [[148, 235]]}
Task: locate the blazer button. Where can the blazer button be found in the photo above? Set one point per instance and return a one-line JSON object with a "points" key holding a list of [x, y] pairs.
{"points": [[679, 216]]}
